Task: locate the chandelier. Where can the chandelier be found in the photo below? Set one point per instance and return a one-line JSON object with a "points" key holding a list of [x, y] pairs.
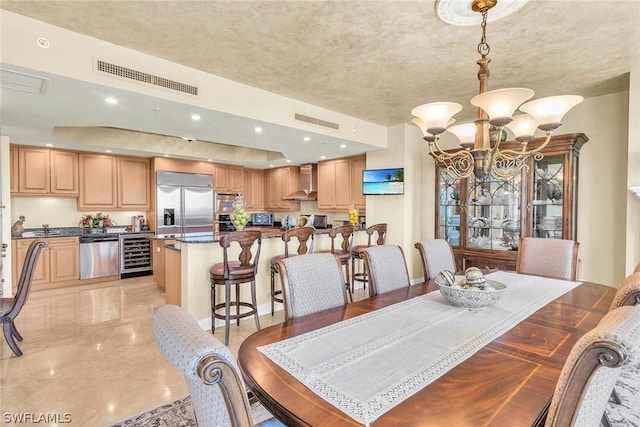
{"points": [[480, 155]]}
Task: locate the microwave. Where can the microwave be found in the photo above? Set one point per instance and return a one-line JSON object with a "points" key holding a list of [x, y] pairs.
{"points": [[224, 202], [265, 219]]}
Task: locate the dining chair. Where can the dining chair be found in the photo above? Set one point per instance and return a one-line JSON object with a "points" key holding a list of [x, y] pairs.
{"points": [[376, 235], [302, 235], [312, 283], [628, 293], [637, 269], [233, 273], [604, 355], [387, 268], [436, 255], [212, 375], [555, 258], [10, 307], [343, 251]]}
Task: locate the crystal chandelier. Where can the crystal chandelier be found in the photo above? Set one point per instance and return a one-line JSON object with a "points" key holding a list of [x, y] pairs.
{"points": [[480, 156]]}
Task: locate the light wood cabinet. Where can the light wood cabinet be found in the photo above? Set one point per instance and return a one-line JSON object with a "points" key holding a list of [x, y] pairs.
{"points": [[340, 184], [114, 182], [41, 171], [254, 189], [57, 266], [173, 268], [279, 183], [228, 178], [159, 250]]}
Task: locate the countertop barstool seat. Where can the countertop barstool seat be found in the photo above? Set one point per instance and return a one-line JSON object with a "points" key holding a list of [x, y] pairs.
{"points": [[303, 234], [356, 252], [343, 252], [228, 273]]}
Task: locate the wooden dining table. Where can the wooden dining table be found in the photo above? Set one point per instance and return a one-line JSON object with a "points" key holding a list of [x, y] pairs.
{"points": [[506, 383]]}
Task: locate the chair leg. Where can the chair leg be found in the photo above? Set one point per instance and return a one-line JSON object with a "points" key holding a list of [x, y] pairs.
{"points": [[227, 311], [213, 308], [8, 336], [237, 304], [346, 284], [254, 301], [16, 334]]}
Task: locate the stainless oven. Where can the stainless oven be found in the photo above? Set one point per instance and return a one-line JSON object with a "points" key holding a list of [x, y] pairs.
{"points": [[223, 223]]}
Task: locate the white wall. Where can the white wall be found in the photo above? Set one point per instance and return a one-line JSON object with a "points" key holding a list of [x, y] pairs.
{"points": [[6, 217], [633, 175]]}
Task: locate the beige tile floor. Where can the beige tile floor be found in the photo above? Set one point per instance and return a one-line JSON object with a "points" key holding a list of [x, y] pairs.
{"points": [[89, 355]]}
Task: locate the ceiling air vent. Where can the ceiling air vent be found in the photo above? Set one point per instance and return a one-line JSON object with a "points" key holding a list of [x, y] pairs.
{"points": [[23, 82], [140, 76], [314, 121]]}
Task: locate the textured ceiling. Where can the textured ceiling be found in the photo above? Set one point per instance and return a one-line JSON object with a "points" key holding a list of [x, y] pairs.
{"points": [[373, 60]]}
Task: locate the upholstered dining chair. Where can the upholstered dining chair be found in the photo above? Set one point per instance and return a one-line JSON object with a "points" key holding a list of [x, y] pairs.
{"points": [[304, 237], [233, 273], [312, 283], [376, 235], [637, 269], [342, 249], [10, 307], [436, 255], [604, 355], [387, 268], [555, 258], [212, 375], [628, 293]]}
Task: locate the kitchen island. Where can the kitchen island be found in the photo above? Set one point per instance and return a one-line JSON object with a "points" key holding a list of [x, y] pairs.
{"points": [[199, 253]]}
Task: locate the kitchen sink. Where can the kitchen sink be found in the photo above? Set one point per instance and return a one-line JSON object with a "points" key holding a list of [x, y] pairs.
{"points": [[40, 233]]}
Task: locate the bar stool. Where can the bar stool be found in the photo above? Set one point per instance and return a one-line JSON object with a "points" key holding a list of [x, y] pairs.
{"points": [[356, 252], [343, 252], [229, 273], [303, 234]]}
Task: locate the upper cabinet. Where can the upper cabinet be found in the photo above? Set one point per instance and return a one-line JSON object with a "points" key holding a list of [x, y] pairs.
{"points": [[41, 171], [228, 178], [253, 189], [340, 184], [114, 182], [484, 219], [279, 182]]}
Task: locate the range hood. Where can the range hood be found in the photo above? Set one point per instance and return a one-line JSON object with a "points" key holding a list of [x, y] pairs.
{"points": [[308, 184]]}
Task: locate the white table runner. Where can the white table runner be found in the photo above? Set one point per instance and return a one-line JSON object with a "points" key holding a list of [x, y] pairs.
{"points": [[368, 364]]}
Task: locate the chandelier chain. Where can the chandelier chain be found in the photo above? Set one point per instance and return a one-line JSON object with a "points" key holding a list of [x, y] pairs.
{"points": [[483, 46]]}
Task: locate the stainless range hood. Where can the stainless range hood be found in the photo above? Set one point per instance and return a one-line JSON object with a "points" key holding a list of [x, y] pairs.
{"points": [[308, 185]]}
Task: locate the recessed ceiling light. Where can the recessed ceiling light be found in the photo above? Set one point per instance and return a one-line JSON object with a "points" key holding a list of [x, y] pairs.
{"points": [[306, 138], [165, 155], [43, 43], [195, 117], [107, 151], [209, 160], [323, 157], [49, 145], [111, 100], [288, 161], [271, 166], [156, 110], [188, 139], [343, 145], [258, 129]]}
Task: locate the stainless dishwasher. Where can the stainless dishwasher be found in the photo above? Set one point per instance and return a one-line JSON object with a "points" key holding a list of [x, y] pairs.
{"points": [[99, 256]]}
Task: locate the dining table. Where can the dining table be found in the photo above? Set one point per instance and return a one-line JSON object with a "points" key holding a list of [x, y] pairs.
{"points": [[506, 380]]}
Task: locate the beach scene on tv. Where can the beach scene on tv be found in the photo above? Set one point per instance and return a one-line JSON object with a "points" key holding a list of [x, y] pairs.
{"points": [[383, 181]]}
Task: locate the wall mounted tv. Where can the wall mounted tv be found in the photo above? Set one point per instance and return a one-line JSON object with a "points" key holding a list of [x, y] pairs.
{"points": [[383, 181]]}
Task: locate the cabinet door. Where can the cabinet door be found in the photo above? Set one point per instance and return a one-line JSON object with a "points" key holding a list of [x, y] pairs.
{"points": [[98, 182], [326, 185], [33, 170], [134, 183], [64, 172], [14, 165], [235, 175], [343, 186], [41, 272], [253, 190], [357, 166], [220, 178], [64, 259]]}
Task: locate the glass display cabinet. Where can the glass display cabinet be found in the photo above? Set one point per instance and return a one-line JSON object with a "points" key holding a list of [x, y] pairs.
{"points": [[484, 219]]}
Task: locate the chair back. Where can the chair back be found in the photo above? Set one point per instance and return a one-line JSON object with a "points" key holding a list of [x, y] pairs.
{"points": [[387, 268], [210, 371], [628, 293], [609, 352], [302, 235], [377, 232], [436, 255], [311, 283], [26, 278], [345, 231], [247, 264], [637, 269], [555, 258]]}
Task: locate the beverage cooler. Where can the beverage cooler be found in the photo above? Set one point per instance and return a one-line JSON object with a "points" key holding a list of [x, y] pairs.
{"points": [[135, 255]]}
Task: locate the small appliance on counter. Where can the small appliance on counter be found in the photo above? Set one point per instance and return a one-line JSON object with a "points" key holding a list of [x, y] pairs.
{"points": [[262, 219], [138, 223]]}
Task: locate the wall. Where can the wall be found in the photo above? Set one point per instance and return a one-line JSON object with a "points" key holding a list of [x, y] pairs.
{"points": [[633, 174], [6, 217]]}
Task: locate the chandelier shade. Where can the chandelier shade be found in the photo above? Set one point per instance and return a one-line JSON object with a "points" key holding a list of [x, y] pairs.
{"points": [[436, 115], [501, 103], [548, 112], [466, 132], [523, 127]]}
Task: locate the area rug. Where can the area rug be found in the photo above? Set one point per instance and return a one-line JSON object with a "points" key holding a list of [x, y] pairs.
{"points": [[179, 413]]}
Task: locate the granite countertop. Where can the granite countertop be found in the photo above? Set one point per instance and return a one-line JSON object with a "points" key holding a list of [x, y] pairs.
{"points": [[267, 233], [34, 233]]}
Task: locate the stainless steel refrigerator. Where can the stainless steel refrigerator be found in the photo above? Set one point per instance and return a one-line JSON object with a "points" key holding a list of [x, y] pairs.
{"points": [[184, 204]]}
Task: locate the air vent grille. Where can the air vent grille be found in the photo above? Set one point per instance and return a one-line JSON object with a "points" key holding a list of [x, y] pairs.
{"points": [[131, 74], [319, 122]]}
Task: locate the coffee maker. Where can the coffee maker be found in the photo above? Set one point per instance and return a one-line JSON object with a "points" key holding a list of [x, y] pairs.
{"points": [[138, 223]]}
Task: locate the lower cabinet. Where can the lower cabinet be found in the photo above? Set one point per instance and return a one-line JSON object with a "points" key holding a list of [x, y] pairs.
{"points": [[57, 266], [159, 250], [173, 276]]}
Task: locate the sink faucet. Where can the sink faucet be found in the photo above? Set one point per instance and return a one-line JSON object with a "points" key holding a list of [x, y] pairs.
{"points": [[46, 228]]}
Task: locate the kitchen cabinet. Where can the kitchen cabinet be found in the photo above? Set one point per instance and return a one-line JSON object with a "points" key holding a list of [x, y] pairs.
{"points": [[279, 182], [253, 189], [57, 266], [173, 268], [41, 171], [114, 182], [159, 269], [228, 178], [483, 219], [340, 184]]}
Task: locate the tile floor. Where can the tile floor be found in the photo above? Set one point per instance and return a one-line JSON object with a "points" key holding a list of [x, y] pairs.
{"points": [[89, 355]]}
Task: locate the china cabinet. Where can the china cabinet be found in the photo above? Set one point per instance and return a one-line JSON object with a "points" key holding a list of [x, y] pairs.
{"points": [[484, 218]]}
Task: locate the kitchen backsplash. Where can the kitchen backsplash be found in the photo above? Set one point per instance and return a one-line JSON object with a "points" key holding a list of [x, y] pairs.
{"points": [[58, 212]]}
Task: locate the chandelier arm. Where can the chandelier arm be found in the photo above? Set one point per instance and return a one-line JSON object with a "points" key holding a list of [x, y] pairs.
{"points": [[524, 152]]}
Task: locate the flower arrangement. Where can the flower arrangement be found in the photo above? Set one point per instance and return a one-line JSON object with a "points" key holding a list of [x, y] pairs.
{"points": [[98, 220]]}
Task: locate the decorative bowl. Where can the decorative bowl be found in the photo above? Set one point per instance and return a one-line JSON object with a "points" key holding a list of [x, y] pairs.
{"points": [[472, 298]]}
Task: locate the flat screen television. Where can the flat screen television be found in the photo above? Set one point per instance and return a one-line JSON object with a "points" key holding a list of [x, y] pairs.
{"points": [[383, 181]]}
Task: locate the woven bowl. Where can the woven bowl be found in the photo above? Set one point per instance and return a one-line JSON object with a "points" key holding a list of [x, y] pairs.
{"points": [[472, 299]]}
